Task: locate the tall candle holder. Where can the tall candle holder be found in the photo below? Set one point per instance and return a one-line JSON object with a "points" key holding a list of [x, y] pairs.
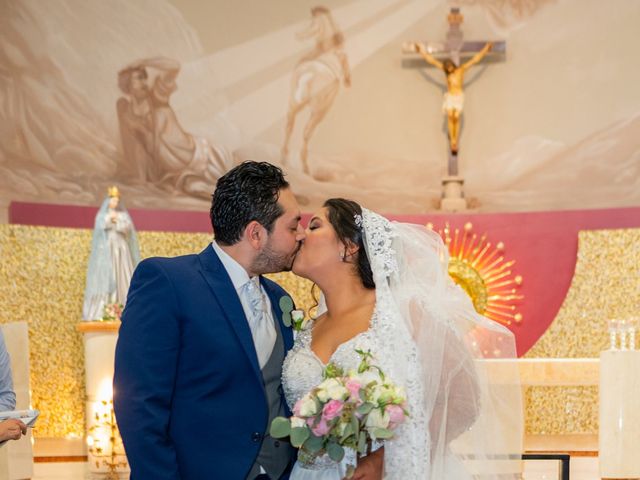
{"points": [[633, 326], [613, 334], [623, 329]]}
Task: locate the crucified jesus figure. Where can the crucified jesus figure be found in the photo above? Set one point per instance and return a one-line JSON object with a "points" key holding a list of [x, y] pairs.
{"points": [[454, 96]]}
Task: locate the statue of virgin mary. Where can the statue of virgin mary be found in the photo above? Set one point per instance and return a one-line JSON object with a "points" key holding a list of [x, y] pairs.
{"points": [[114, 256]]}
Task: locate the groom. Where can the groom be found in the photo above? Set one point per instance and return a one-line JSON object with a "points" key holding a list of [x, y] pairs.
{"points": [[200, 350]]}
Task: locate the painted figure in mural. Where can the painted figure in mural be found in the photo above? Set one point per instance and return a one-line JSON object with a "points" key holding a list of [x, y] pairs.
{"points": [[454, 96], [157, 149], [316, 79], [114, 256], [136, 122]]}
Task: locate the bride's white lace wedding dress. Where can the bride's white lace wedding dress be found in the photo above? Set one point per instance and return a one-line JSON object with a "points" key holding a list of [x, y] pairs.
{"points": [[406, 455], [426, 336]]}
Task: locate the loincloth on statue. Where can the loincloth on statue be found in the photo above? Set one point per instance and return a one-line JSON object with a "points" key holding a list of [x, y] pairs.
{"points": [[453, 101]]}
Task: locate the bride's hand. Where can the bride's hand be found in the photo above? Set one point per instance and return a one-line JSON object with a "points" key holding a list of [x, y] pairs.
{"points": [[370, 467]]}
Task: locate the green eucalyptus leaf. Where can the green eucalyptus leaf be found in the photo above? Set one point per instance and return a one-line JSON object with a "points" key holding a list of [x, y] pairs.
{"points": [[299, 435], [313, 444], [335, 451], [348, 431], [355, 425], [280, 427], [286, 304], [383, 433], [362, 442], [365, 408]]}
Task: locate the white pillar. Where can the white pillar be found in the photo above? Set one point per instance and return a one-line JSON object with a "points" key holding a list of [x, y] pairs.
{"points": [[99, 351], [619, 414], [16, 456]]}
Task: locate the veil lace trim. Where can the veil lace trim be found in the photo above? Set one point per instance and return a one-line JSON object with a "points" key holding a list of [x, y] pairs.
{"points": [[378, 237]]}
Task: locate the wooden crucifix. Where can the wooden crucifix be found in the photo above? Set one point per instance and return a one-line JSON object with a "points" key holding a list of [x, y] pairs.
{"points": [[448, 56]]}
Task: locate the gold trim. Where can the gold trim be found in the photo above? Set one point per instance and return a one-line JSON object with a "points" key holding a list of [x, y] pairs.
{"points": [[98, 327], [60, 459]]}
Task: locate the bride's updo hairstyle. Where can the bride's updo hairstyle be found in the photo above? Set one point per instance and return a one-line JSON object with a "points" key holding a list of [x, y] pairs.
{"points": [[342, 216]]}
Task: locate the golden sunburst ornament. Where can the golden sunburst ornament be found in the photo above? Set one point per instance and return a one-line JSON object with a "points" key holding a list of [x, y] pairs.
{"points": [[481, 270]]}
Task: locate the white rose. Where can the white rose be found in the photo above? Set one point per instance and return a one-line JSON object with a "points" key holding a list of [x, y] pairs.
{"points": [[386, 395], [328, 383], [323, 396], [377, 419], [373, 394], [399, 395], [297, 422], [331, 389], [297, 315], [324, 389], [338, 393], [308, 407], [369, 376]]}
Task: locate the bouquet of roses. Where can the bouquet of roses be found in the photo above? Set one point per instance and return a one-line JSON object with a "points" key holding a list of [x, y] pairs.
{"points": [[112, 312], [344, 411]]}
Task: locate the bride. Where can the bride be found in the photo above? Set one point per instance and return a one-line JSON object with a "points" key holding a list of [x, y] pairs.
{"points": [[386, 289]]}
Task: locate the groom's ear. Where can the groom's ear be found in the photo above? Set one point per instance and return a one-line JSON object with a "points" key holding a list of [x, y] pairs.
{"points": [[255, 234]]}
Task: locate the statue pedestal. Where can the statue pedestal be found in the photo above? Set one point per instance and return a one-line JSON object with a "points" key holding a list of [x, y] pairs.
{"points": [[619, 414], [106, 458], [453, 195]]}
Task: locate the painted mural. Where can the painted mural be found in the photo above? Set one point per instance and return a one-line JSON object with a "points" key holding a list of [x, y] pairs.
{"points": [[162, 97]]}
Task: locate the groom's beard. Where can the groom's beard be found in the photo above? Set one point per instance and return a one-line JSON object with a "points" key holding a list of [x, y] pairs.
{"points": [[270, 261]]}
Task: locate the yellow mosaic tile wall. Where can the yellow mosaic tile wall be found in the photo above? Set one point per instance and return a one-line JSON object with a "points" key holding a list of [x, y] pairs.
{"points": [[42, 276], [42, 279], [606, 284]]}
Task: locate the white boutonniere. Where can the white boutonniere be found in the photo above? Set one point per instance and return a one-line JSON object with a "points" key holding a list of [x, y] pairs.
{"points": [[292, 318], [298, 321]]}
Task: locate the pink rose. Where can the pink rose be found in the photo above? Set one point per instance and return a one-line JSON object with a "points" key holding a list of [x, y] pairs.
{"points": [[354, 389], [320, 429], [396, 415], [332, 409], [296, 408]]}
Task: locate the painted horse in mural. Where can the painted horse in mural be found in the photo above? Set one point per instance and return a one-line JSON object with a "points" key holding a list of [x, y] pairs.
{"points": [[316, 79]]}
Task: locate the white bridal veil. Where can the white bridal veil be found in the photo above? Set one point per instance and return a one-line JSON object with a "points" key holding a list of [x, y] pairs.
{"points": [[463, 386]]}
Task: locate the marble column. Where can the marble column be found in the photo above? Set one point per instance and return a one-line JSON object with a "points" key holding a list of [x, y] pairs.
{"points": [[16, 456], [106, 459], [619, 434]]}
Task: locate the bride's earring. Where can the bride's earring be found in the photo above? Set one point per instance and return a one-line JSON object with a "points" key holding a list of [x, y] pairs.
{"points": [[343, 256]]}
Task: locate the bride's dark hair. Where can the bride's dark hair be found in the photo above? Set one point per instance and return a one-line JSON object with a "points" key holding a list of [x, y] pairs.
{"points": [[342, 216]]}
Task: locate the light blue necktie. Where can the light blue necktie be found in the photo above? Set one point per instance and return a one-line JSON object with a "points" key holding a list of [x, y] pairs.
{"points": [[260, 323]]}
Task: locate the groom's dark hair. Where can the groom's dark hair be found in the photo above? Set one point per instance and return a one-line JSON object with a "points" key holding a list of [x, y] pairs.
{"points": [[245, 193]]}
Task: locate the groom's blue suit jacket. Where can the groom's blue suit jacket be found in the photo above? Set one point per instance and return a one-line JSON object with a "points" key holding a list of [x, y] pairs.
{"points": [[188, 392]]}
